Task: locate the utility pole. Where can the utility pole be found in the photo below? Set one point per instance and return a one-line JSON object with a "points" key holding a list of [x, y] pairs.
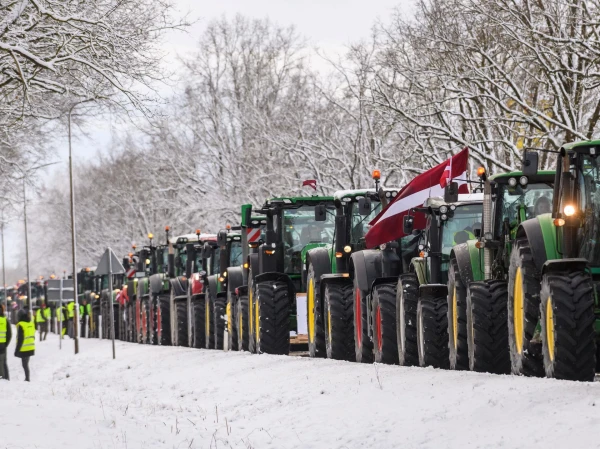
{"points": [[3, 267], [29, 298], [73, 241]]}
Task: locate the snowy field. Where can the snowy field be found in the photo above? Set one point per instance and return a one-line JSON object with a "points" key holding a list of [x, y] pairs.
{"points": [[163, 397]]}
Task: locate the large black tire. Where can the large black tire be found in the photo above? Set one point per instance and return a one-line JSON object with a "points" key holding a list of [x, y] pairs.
{"points": [[251, 314], [273, 318], [339, 316], [432, 332], [209, 322], [316, 333], [181, 310], [524, 287], [232, 336], [568, 337], [487, 329], [385, 343], [163, 321], [363, 345], [407, 297], [219, 322], [457, 319], [199, 309], [242, 323]]}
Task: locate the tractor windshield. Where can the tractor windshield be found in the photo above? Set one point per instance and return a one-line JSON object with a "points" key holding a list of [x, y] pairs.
{"points": [[360, 223], [588, 183], [299, 230], [461, 226], [518, 203], [235, 254]]}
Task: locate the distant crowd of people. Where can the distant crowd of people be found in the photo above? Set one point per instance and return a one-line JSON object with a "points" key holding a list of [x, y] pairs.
{"points": [[26, 327]]}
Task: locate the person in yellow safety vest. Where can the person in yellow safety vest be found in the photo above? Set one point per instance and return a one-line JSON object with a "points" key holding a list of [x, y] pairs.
{"points": [[84, 314], [5, 337], [25, 340], [61, 320], [42, 317], [70, 316]]}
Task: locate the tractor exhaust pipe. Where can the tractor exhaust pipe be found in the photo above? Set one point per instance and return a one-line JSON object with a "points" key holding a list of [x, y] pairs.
{"points": [[487, 229]]}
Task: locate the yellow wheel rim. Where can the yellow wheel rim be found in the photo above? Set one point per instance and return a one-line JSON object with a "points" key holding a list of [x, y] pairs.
{"points": [[329, 325], [550, 328], [250, 311], [256, 322], [454, 319], [311, 310], [229, 321], [207, 325], [518, 310], [240, 327]]}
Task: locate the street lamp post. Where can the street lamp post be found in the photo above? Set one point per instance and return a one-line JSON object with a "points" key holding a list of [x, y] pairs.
{"points": [[3, 267], [29, 298]]}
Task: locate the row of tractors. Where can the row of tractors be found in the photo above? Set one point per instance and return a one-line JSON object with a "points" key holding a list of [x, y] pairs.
{"points": [[500, 280]]}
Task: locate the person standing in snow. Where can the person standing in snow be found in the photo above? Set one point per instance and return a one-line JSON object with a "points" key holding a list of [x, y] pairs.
{"points": [[5, 337], [41, 318], [70, 316], [25, 340]]}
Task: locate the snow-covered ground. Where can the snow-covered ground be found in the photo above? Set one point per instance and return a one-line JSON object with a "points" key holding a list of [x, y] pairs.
{"points": [[163, 397]]}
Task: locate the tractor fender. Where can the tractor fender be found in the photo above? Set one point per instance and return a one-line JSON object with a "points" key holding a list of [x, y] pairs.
{"points": [[469, 262], [221, 295], [319, 259], [179, 286], [156, 283], [212, 287], [564, 266], [242, 290], [277, 277], [384, 280], [541, 235], [253, 262], [332, 278], [367, 267], [235, 278], [433, 290]]}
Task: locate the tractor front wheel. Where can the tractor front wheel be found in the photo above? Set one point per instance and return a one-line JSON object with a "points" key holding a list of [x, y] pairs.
{"points": [[363, 346], [231, 312], [273, 323], [182, 322], [457, 319], [432, 332], [316, 333], [209, 323], [339, 324], [487, 331], [199, 318], [568, 337], [243, 331], [219, 322], [407, 296], [384, 324]]}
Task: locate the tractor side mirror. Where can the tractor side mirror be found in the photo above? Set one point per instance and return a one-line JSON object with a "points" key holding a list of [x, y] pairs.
{"points": [[207, 251], [408, 224], [171, 262], [320, 212], [364, 206], [222, 238], [477, 232], [126, 263], [451, 193], [530, 163]]}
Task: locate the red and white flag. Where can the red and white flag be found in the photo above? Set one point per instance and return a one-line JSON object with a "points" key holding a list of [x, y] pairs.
{"points": [[311, 183], [387, 226]]}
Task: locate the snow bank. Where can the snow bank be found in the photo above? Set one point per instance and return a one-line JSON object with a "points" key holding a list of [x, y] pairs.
{"points": [[163, 397]]}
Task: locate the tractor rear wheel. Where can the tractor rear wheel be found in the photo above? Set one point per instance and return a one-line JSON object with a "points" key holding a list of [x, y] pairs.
{"points": [[252, 314], [487, 329], [432, 331], [385, 342], [316, 333], [568, 337], [231, 312], [219, 322], [163, 329], [199, 320], [363, 346], [457, 319], [339, 321], [524, 312], [273, 332], [407, 296], [209, 321], [182, 323], [242, 323]]}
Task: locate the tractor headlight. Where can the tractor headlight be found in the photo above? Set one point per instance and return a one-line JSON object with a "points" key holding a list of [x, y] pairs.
{"points": [[444, 217], [569, 210], [443, 209], [388, 194], [512, 182], [453, 207], [347, 248], [523, 180]]}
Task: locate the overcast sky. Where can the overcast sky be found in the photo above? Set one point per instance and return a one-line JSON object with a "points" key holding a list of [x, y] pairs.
{"points": [[327, 24]]}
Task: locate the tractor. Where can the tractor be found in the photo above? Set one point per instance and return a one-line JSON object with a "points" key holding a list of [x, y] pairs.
{"points": [[252, 236], [277, 273], [554, 273], [328, 270], [478, 271], [421, 301]]}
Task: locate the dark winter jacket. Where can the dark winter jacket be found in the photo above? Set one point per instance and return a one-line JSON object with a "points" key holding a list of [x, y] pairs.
{"points": [[3, 346], [21, 337]]}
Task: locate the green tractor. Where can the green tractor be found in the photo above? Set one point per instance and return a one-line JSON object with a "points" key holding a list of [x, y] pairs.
{"points": [[554, 273], [421, 300], [277, 275], [328, 269], [252, 236], [478, 271]]}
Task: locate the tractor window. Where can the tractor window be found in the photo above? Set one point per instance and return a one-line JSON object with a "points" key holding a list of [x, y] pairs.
{"points": [[460, 227], [519, 203], [235, 254], [360, 223], [299, 230], [215, 261], [588, 183]]}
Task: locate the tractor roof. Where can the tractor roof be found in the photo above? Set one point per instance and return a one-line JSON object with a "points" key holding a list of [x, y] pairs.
{"points": [[299, 199], [574, 146], [359, 193], [463, 200], [189, 238], [518, 174]]}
